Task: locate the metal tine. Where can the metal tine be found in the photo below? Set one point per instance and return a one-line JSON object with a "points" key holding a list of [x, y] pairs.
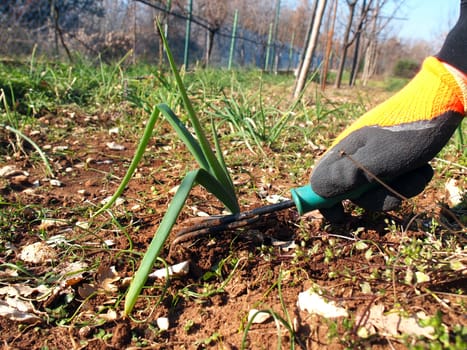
{"points": [[229, 226], [222, 221]]}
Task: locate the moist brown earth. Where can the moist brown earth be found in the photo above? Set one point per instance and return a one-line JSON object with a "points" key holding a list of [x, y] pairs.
{"points": [[231, 272]]}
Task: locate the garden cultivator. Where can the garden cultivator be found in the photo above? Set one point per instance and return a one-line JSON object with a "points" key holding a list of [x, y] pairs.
{"points": [[303, 198]]}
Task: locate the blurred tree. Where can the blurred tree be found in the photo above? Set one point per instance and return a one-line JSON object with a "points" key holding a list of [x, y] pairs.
{"points": [[346, 42], [310, 48], [374, 35], [48, 16], [215, 14], [35, 14]]}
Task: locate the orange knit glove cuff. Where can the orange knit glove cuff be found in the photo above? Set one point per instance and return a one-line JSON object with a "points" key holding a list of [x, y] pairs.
{"points": [[436, 89]]}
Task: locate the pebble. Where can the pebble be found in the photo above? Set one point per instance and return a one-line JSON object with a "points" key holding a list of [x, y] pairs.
{"points": [[259, 317], [163, 323], [115, 146], [56, 183]]}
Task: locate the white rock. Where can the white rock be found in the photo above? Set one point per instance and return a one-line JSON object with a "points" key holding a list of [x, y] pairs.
{"points": [[163, 323], [179, 269], [59, 148], [56, 183], [258, 316], [455, 194], [83, 225], [275, 198], [114, 131], [118, 201], [315, 304], [115, 146]]}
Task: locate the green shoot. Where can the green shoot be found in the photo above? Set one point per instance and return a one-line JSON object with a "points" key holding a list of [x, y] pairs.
{"points": [[213, 175]]}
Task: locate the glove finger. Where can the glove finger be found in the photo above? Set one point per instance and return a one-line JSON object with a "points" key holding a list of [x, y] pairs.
{"points": [[408, 185], [335, 214]]}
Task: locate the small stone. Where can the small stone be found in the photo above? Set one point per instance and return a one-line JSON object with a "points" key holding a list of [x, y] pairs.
{"points": [[59, 148], [180, 269], [83, 225], [136, 207], [83, 192], [163, 323], [115, 146], [256, 316], [114, 131], [56, 183], [84, 332], [118, 201]]}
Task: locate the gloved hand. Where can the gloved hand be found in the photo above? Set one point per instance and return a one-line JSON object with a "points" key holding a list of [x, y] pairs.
{"points": [[395, 141]]}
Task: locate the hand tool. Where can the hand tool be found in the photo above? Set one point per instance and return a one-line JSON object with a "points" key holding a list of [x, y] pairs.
{"points": [[303, 198]]}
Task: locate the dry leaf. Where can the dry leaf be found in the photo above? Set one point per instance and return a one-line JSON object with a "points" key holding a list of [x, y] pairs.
{"points": [[106, 276], [86, 289], [284, 245], [51, 223], [37, 253], [392, 324], [18, 310], [11, 170], [23, 290], [72, 273]]}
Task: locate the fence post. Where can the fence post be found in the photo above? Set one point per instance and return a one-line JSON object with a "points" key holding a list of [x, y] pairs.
{"points": [[168, 8], [232, 42], [187, 34], [291, 51], [268, 48], [274, 33]]}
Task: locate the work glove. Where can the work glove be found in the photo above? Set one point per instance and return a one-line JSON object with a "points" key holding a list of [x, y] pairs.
{"points": [[392, 144]]}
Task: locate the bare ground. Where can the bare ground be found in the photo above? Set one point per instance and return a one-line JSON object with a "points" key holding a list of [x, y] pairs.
{"points": [[230, 272]]}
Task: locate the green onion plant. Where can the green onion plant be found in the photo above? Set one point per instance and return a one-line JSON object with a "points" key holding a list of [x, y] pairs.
{"points": [[212, 174]]}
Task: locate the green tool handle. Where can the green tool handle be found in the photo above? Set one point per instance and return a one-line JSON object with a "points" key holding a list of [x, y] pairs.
{"points": [[306, 199]]}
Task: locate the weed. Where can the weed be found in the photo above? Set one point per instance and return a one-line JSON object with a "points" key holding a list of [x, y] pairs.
{"points": [[443, 337]]}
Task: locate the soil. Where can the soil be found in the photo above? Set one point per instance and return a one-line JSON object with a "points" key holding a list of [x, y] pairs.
{"points": [[231, 272]]}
